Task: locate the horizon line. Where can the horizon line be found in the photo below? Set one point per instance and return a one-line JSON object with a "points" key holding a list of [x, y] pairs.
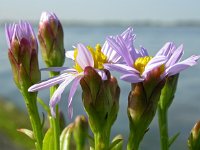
{"points": [[116, 23]]}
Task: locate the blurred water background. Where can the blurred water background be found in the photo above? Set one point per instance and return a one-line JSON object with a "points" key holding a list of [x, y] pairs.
{"points": [[185, 110]]}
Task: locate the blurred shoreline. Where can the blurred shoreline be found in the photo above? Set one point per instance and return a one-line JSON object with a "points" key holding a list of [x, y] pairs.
{"points": [[147, 23]]}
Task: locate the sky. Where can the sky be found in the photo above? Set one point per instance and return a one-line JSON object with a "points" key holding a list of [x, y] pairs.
{"points": [[102, 10]]}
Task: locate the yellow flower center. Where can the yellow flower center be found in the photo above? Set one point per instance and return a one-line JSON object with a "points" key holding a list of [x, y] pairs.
{"points": [[141, 63], [98, 57]]}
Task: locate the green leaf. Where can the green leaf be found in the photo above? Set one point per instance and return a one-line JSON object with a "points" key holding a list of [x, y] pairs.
{"points": [[117, 143], [172, 139], [48, 142], [27, 132]]}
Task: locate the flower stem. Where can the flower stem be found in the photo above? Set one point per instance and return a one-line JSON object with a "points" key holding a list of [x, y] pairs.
{"points": [[101, 140], [163, 126], [133, 141], [55, 120], [31, 104]]}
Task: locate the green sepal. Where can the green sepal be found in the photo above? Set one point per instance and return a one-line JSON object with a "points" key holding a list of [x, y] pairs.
{"points": [[168, 92], [48, 142], [66, 137]]}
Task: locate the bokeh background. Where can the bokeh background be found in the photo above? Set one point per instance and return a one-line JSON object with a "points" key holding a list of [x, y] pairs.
{"points": [[155, 23]]}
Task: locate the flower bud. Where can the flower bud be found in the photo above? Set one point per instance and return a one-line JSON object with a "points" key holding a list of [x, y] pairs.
{"points": [[141, 109], [100, 98], [51, 38], [80, 132], [194, 138], [66, 140], [23, 54], [101, 102]]}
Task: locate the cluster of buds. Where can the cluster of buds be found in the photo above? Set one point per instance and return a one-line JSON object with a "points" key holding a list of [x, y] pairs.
{"points": [[23, 54]]}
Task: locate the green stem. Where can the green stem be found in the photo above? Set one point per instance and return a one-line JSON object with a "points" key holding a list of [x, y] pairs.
{"points": [[101, 140], [163, 127], [133, 141], [31, 104], [55, 120]]}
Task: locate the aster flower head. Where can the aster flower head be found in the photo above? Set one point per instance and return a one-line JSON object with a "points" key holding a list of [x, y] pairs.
{"points": [[22, 53], [139, 65], [82, 56]]}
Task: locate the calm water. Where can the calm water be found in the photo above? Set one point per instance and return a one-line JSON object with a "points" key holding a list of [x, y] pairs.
{"points": [[185, 110]]}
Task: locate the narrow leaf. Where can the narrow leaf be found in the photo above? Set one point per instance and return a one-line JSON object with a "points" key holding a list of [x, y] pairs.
{"points": [[172, 139]]}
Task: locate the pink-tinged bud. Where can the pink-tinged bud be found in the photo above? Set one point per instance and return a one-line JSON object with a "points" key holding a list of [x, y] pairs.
{"points": [[194, 138], [101, 102], [142, 106], [23, 54], [51, 39], [80, 132]]}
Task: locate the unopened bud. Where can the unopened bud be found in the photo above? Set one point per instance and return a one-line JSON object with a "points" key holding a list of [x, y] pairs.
{"points": [[23, 54], [141, 110], [51, 39], [80, 132], [101, 102], [194, 138], [100, 98]]}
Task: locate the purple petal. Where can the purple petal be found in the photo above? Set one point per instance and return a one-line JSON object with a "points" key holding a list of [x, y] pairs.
{"points": [[112, 55], [49, 82], [10, 32], [73, 89], [121, 68], [120, 47], [143, 52], [55, 69], [102, 74], [176, 56], [154, 63], [70, 112], [167, 49], [132, 78], [70, 54], [178, 67], [84, 57], [57, 94]]}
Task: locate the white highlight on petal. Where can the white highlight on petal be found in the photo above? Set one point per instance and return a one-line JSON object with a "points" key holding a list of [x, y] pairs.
{"points": [[70, 54]]}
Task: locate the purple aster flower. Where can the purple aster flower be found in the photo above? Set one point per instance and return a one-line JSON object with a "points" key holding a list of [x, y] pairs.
{"points": [[83, 56], [138, 64]]}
